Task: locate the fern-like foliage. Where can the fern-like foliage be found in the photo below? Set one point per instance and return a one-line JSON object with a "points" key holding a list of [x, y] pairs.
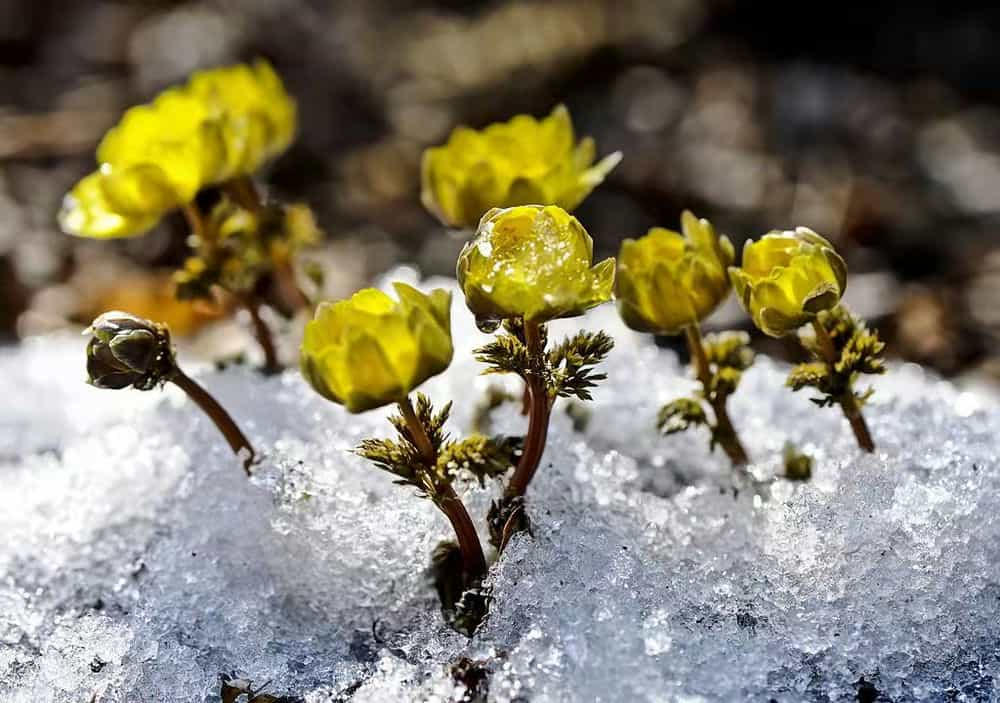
{"points": [[729, 355], [570, 364], [480, 456], [680, 415], [858, 349], [402, 457], [433, 423], [505, 354]]}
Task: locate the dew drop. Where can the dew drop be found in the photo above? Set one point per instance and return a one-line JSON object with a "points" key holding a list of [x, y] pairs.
{"points": [[487, 323]]}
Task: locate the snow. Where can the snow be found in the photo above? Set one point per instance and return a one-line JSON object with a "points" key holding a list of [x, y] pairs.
{"points": [[139, 564]]}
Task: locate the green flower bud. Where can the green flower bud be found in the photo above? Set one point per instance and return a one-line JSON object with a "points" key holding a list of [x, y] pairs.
{"points": [[668, 281], [787, 278], [532, 262], [125, 350]]}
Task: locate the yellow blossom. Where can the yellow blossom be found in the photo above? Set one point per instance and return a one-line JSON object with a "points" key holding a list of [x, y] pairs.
{"points": [[668, 281], [371, 350], [224, 123], [532, 262], [787, 278], [511, 163]]}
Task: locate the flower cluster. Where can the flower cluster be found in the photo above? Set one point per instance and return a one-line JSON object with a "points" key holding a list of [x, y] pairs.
{"points": [[209, 135], [528, 263], [223, 124]]}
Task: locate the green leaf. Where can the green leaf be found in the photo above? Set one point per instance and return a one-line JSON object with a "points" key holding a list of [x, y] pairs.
{"points": [[680, 415], [402, 458], [482, 457], [729, 350], [814, 374], [859, 351], [571, 364], [798, 465], [505, 354]]}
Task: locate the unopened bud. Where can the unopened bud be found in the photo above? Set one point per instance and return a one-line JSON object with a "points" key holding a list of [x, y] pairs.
{"points": [[125, 350]]}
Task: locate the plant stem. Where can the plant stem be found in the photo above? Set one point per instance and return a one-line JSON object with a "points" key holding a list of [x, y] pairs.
{"points": [[288, 287], [263, 334], [238, 441], [538, 415], [725, 433], [417, 432], [243, 191], [194, 220], [848, 401], [261, 331], [473, 560]]}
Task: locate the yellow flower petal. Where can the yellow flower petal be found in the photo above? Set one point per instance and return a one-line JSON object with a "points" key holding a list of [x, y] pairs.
{"points": [[86, 212]]}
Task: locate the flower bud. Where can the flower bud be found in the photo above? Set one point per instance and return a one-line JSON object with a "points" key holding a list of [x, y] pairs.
{"points": [[511, 163], [371, 350], [787, 278], [668, 281], [125, 350], [532, 262]]}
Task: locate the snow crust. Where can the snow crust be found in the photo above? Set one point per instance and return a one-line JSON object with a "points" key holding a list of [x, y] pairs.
{"points": [[137, 563]]}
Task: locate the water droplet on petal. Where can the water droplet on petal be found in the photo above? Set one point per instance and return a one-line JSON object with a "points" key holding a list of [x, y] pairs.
{"points": [[487, 324]]}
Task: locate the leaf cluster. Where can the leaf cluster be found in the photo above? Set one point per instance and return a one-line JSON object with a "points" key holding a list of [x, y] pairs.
{"points": [[798, 464], [729, 355], [859, 351], [506, 517], [680, 415], [464, 604], [479, 456], [570, 364], [568, 368], [239, 248], [505, 354]]}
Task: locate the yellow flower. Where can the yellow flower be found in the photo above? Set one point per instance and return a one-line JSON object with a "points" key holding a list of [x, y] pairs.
{"points": [[668, 281], [534, 262], [787, 278], [510, 163], [371, 350], [224, 123]]}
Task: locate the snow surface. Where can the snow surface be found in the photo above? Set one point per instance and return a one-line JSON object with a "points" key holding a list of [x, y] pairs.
{"points": [[138, 564]]}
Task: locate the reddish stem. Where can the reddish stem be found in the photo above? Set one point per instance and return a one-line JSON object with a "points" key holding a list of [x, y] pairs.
{"points": [[473, 560], [238, 441], [539, 409]]}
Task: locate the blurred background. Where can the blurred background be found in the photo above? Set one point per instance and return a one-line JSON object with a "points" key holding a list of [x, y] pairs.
{"points": [[877, 125]]}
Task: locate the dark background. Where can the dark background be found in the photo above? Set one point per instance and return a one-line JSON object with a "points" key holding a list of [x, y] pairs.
{"points": [[874, 123]]}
